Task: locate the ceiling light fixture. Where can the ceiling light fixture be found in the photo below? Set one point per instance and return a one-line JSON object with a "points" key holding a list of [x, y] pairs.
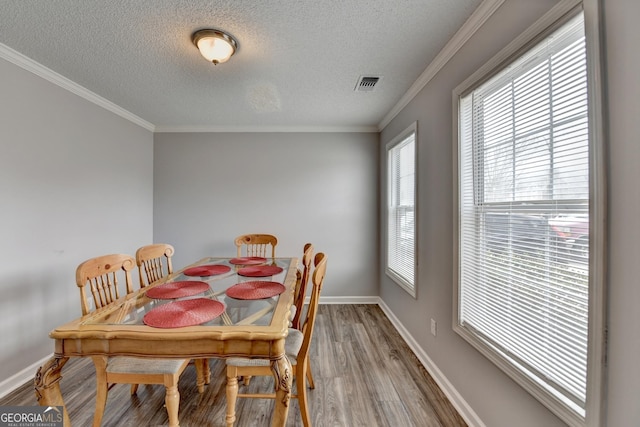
{"points": [[214, 45]]}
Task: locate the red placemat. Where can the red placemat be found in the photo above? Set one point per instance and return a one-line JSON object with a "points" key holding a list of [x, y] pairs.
{"points": [[207, 270], [259, 271], [248, 260], [255, 290], [183, 313], [177, 289]]}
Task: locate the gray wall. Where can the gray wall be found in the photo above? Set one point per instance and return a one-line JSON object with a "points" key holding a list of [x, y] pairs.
{"points": [[495, 398], [623, 58], [302, 187], [76, 181]]}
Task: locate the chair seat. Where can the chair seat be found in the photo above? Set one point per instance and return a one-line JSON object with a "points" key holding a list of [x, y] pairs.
{"points": [[292, 346], [138, 365]]}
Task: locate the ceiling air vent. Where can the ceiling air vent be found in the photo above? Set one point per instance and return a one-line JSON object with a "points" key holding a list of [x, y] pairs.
{"points": [[366, 84]]}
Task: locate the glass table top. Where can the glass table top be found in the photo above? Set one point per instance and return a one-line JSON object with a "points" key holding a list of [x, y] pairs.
{"points": [[221, 274]]}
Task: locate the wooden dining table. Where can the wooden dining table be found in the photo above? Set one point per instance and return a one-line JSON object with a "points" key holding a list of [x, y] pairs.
{"points": [[254, 328]]}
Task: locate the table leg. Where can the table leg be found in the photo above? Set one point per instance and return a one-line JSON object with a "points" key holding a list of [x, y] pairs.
{"points": [[47, 385], [283, 380]]}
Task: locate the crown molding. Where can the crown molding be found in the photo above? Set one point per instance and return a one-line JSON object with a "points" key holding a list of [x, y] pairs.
{"points": [[468, 29], [40, 70], [265, 129]]}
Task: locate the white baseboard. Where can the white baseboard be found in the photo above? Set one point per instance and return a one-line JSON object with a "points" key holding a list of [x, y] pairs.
{"points": [[347, 300], [22, 377], [465, 411]]}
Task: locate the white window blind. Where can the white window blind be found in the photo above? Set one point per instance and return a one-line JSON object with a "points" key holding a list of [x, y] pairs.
{"points": [[524, 216], [401, 209]]}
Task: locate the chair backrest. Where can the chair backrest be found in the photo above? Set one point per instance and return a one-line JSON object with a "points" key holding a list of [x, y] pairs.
{"points": [[154, 262], [317, 279], [301, 284], [102, 275], [256, 245]]}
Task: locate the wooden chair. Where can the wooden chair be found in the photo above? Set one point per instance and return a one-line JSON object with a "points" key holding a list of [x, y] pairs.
{"points": [[256, 245], [301, 285], [302, 278], [297, 347], [154, 262], [101, 274]]}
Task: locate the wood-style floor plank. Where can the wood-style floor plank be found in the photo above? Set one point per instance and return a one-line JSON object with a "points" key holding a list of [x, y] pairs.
{"points": [[365, 375]]}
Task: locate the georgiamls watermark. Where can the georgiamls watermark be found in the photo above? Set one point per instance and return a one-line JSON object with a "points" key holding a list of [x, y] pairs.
{"points": [[31, 416]]}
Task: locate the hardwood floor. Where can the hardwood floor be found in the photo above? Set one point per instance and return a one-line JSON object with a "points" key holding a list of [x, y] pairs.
{"points": [[365, 375]]}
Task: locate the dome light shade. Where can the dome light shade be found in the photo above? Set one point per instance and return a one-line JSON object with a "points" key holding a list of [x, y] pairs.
{"points": [[214, 45]]}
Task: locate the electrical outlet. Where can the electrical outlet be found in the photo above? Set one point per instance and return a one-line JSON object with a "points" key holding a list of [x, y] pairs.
{"points": [[433, 327]]}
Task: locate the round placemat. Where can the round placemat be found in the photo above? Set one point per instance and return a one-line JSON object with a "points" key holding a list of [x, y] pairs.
{"points": [[259, 271], [183, 313], [248, 260], [255, 290], [177, 289], [207, 270]]}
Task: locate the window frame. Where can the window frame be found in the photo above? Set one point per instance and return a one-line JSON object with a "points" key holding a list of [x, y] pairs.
{"points": [[408, 286], [597, 327]]}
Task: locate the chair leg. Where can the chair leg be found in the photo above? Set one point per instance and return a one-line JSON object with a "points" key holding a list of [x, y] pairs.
{"points": [[172, 402], [232, 395], [309, 375], [200, 374], [134, 389], [102, 388], [301, 389], [207, 372]]}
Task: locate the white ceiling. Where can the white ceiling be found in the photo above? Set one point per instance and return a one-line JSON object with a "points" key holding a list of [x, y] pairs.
{"points": [[296, 67]]}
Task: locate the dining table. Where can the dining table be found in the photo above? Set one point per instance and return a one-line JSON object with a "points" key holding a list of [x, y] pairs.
{"points": [[214, 308]]}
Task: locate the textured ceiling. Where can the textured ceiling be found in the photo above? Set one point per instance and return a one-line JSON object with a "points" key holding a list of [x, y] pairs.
{"points": [[296, 67]]}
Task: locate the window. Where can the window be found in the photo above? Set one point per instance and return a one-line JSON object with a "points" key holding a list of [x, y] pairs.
{"points": [[401, 209], [525, 199]]}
